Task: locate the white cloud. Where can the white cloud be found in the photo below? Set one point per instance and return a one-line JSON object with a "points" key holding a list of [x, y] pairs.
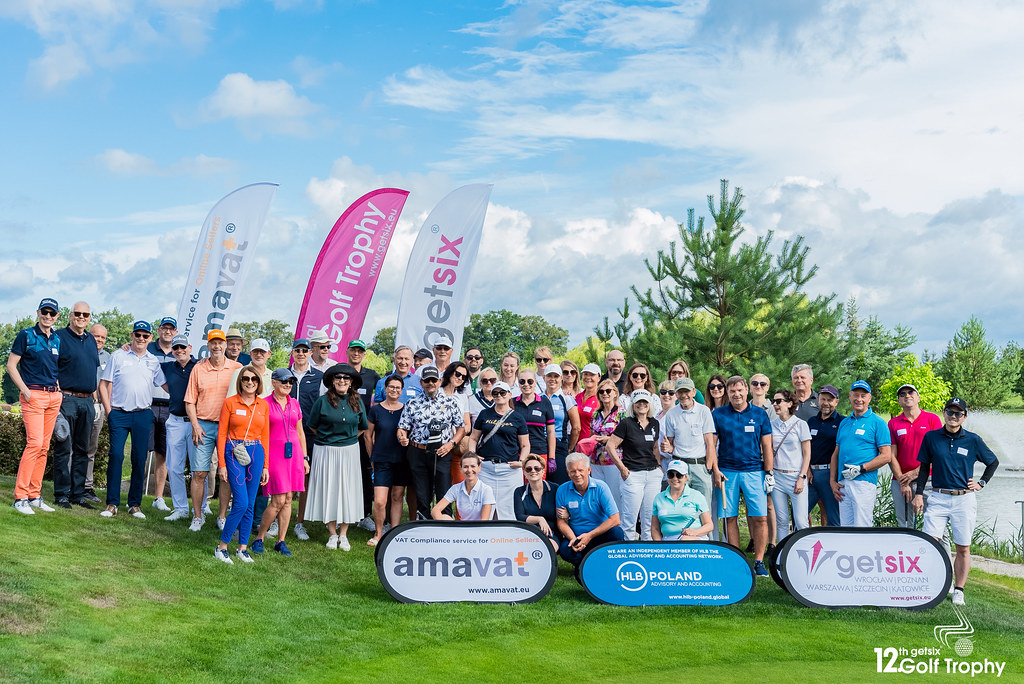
{"points": [[240, 96], [129, 163], [311, 72], [58, 64], [133, 164]]}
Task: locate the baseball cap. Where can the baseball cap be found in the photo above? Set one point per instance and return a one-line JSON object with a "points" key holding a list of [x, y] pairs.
{"points": [[678, 466], [301, 342], [640, 395], [358, 344], [906, 384], [215, 334], [829, 389], [443, 341], [957, 402], [48, 303], [592, 368], [179, 341], [685, 384], [502, 386], [259, 343], [142, 325], [423, 354], [282, 374], [552, 368], [319, 337], [233, 334], [168, 320], [428, 372], [861, 384]]}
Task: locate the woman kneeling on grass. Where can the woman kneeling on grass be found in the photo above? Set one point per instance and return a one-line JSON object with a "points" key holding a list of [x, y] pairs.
{"points": [[472, 498], [242, 445], [288, 467], [680, 512]]}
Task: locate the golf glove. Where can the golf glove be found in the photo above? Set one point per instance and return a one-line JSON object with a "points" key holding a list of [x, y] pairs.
{"points": [[850, 472], [769, 482]]}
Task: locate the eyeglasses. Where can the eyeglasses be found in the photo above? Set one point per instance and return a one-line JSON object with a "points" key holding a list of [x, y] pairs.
{"points": [[498, 393], [250, 379], [605, 391], [778, 401], [47, 312], [81, 314], [473, 357], [758, 383], [141, 335], [716, 386], [673, 475], [638, 376], [540, 360], [664, 392], [526, 381], [954, 414], [488, 381], [533, 469], [460, 376]]}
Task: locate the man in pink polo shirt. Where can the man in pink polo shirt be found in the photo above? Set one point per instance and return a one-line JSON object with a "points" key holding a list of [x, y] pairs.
{"points": [[907, 430]]}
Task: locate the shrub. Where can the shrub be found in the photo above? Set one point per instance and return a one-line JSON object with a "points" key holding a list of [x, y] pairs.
{"points": [[12, 444]]}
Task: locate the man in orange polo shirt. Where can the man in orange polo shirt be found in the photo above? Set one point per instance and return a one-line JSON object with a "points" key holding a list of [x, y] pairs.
{"points": [[207, 388]]}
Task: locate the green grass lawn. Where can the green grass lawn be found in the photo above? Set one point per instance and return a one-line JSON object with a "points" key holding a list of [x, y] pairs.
{"points": [[84, 598]]}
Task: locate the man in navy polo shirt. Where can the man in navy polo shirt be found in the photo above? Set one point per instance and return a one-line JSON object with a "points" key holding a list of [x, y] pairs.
{"points": [[824, 428], [76, 371], [948, 455], [161, 349], [32, 366], [179, 429], [862, 447], [744, 465], [586, 512]]}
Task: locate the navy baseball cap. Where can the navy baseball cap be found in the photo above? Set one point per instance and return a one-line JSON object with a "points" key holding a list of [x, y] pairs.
{"points": [[283, 374], [168, 320], [430, 372], [142, 325], [957, 402], [301, 342], [48, 303], [861, 384], [829, 389]]}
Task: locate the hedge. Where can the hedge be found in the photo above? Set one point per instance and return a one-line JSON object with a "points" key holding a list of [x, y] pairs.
{"points": [[12, 444]]}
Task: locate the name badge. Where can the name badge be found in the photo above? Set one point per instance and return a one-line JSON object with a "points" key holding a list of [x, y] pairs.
{"points": [[537, 413], [240, 412], [574, 504], [361, 390], [411, 393], [859, 432], [53, 351], [961, 451], [901, 432], [814, 432], [649, 438], [748, 428]]}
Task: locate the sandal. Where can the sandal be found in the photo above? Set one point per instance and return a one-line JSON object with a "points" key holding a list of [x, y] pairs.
{"points": [[372, 541]]}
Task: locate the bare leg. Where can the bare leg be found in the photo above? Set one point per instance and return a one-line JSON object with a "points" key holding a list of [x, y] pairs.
{"points": [[284, 516], [759, 533], [380, 503], [269, 514], [732, 529], [159, 474], [397, 494], [223, 493], [198, 485], [961, 565]]}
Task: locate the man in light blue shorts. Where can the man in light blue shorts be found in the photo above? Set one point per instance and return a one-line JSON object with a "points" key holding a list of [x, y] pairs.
{"points": [[862, 447], [744, 465]]}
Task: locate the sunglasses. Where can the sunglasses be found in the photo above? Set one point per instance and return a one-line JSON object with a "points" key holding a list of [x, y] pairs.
{"points": [[904, 393], [778, 401], [300, 350], [665, 392], [47, 312], [143, 335], [180, 346], [533, 469], [488, 381], [442, 348], [526, 381], [473, 357], [249, 379], [605, 391], [540, 360], [716, 386], [758, 383], [431, 381], [81, 314], [287, 381], [460, 376], [345, 378], [954, 414], [568, 371], [638, 376], [673, 475], [498, 393]]}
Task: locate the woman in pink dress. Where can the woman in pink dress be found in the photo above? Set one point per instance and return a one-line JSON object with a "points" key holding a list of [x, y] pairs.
{"points": [[286, 460]]}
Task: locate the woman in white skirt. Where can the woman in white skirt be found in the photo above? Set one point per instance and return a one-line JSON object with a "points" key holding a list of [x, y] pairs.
{"points": [[791, 441], [335, 480]]}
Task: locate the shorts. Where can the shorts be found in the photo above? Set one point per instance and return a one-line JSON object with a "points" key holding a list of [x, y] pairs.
{"points": [[751, 483], [960, 511], [391, 474], [203, 456], [158, 435]]}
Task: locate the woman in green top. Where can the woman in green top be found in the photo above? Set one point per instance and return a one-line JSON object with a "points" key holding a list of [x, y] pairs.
{"points": [[335, 480]]}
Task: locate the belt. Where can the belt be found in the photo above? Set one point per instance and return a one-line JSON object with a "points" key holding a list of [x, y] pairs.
{"points": [[44, 388], [786, 472], [174, 415], [694, 461], [246, 442], [952, 492], [418, 445], [161, 402], [820, 467], [80, 395], [123, 410]]}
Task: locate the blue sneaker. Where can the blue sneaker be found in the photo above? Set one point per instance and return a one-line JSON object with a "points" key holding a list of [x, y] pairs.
{"points": [[759, 569], [256, 546], [282, 549]]}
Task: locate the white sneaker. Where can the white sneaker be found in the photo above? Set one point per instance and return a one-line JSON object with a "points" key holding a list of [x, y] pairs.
{"points": [[300, 532], [368, 524], [136, 512], [244, 555], [176, 515], [41, 505], [332, 541], [272, 532], [109, 512], [220, 523], [343, 544], [222, 556], [22, 506], [206, 509], [197, 524], [958, 597], [160, 505]]}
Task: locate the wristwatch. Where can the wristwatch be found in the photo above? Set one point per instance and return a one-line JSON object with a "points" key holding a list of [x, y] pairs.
{"points": [[803, 476], [981, 483]]}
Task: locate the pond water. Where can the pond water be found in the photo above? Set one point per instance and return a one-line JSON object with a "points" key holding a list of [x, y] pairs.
{"points": [[1004, 433]]}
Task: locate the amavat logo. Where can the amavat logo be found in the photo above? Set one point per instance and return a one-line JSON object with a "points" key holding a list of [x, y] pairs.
{"points": [[847, 565], [440, 566]]}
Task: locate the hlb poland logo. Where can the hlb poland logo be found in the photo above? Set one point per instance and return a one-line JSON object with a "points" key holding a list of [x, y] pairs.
{"points": [[631, 576]]}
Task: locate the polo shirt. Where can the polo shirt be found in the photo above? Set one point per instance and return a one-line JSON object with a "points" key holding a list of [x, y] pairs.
{"points": [[561, 412], [155, 350], [470, 504], [859, 439], [410, 383], [823, 437], [39, 354], [538, 414], [787, 442], [638, 443], [336, 425], [370, 379], [177, 382], [687, 429], [674, 516], [132, 379], [243, 359], [441, 411], [587, 510], [739, 437], [952, 457], [807, 408], [77, 361], [322, 367], [208, 387], [267, 375], [477, 403], [620, 384], [503, 446], [587, 407], [906, 437]]}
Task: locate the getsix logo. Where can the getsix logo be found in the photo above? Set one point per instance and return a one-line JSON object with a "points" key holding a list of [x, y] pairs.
{"points": [[847, 565]]}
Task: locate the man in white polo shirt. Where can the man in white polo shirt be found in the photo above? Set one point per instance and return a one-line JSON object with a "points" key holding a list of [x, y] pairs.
{"points": [[690, 438]]}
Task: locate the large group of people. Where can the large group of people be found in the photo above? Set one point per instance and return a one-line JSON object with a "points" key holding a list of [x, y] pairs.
{"points": [[584, 455]]}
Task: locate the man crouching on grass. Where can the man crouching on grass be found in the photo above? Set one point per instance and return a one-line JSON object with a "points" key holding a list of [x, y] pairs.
{"points": [[949, 455], [587, 514]]}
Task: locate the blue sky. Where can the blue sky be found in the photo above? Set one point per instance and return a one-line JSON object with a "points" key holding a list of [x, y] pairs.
{"points": [[886, 133]]}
